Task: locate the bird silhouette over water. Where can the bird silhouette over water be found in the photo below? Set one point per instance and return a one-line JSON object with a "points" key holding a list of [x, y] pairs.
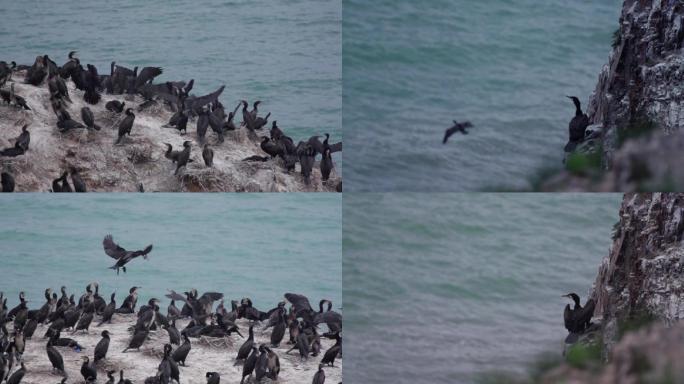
{"points": [[121, 255], [457, 127]]}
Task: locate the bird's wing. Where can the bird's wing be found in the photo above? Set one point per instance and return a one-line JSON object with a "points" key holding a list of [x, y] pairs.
{"points": [[568, 318], [316, 144], [143, 252], [111, 248], [211, 297], [147, 74], [300, 302], [123, 70], [448, 134], [189, 86], [588, 311], [206, 99], [175, 296], [337, 147], [330, 317]]}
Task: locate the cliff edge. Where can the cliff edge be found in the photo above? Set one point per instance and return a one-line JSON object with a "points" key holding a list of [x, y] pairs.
{"points": [[637, 107]]}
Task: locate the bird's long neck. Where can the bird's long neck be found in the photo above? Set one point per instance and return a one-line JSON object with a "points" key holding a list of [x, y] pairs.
{"points": [[577, 302]]}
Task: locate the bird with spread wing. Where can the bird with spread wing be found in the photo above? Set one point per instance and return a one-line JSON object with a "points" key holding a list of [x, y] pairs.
{"points": [[121, 255]]}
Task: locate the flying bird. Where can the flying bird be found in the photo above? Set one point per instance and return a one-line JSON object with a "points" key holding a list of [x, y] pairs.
{"points": [[458, 127], [121, 255]]}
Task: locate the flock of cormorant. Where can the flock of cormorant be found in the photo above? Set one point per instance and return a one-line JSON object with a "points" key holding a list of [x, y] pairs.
{"points": [[174, 95], [61, 314]]}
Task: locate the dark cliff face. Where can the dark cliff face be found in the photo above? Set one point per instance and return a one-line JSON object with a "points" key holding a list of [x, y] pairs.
{"points": [[639, 98], [644, 72], [643, 275]]}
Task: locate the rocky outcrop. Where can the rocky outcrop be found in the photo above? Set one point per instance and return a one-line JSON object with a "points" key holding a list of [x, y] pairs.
{"points": [[106, 167], [638, 103], [649, 355], [643, 275]]}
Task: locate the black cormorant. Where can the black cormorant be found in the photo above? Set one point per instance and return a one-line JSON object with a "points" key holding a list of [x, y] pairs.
{"points": [[55, 357], [37, 72], [88, 370], [332, 352], [243, 352], [271, 147], [181, 353], [89, 118], [247, 119], [255, 110], [126, 125], [7, 182], [578, 318], [137, 340], [128, 306], [260, 122], [91, 84], [174, 335], [121, 255], [170, 153], [457, 127], [115, 106], [109, 311], [319, 377], [77, 180], [85, 319], [102, 347], [202, 124], [250, 363], [279, 330], [326, 164], [183, 156], [276, 132], [577, 127]]}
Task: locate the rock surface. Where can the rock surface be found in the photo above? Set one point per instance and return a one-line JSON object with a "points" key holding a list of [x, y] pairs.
{"points": [[106, 167], [643, 274], [649, 355]]}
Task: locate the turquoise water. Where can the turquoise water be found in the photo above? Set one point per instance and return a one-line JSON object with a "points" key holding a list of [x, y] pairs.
{"points": [[244, 246], [286, 53], [442, 288], [411, 67]]}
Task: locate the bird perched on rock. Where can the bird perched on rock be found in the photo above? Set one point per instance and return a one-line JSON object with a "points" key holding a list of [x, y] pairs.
{"points": [[578, 318], [577, 127], [126, 125]]}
